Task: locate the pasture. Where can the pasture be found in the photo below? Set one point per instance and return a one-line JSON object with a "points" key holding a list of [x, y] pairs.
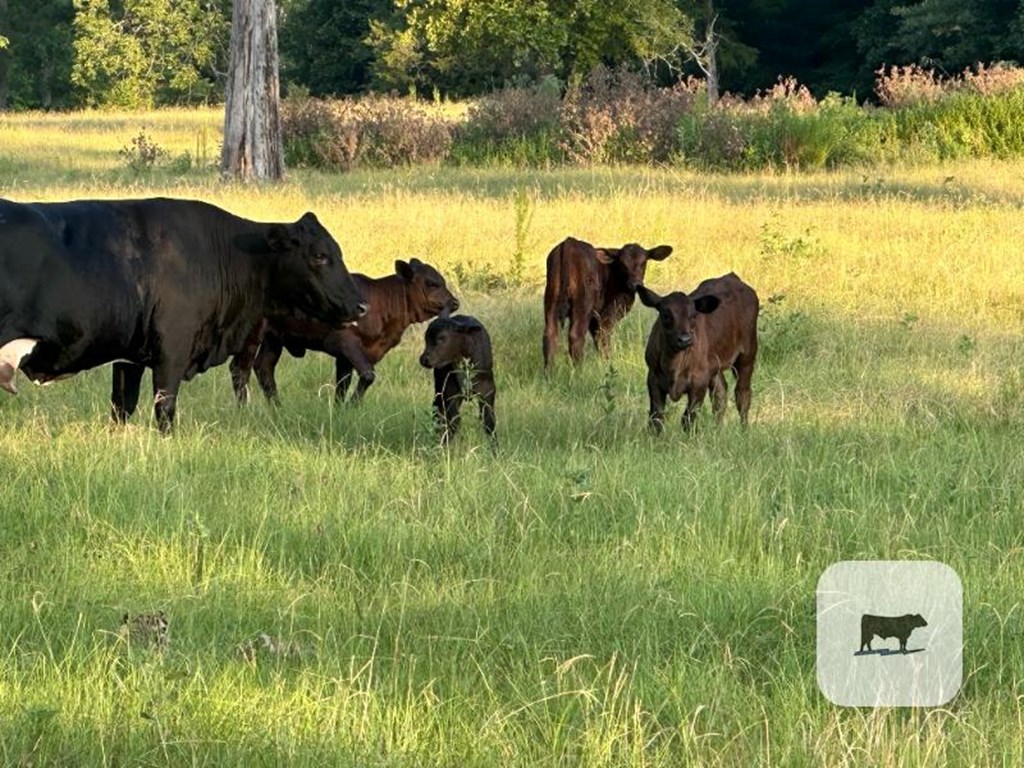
{"points": [[341, 591]]}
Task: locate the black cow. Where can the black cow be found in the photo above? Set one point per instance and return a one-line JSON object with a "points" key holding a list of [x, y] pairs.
{"points": [[452, 344], [899, 627], [172, 285]]}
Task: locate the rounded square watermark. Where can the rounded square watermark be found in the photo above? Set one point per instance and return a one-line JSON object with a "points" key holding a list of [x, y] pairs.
{"points": [[890, 633]]}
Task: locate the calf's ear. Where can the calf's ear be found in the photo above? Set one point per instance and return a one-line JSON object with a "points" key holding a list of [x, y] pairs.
{"points": [[706, 304], [404, 269], [660, 253], [607, 255], [647, 297]]}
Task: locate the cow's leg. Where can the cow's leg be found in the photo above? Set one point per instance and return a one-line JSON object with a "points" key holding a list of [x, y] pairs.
{"points": [[242, 363], [167, 379], [551, 328], [694, 400], [266, 362], [744, 367], [656, 414], [349, 355], [719, 395], [601, 330], [579, 323], [124, 391]]}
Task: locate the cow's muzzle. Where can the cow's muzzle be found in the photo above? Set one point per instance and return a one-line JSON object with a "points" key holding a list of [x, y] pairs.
{"points": [[425, 361], [684, 341]]}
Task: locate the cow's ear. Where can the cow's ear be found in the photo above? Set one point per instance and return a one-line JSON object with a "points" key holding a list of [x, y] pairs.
{"points": [[706, 304], [279, 238], [648, 297], [660, 253], [404, 269], [415, 263], [606, 255]]}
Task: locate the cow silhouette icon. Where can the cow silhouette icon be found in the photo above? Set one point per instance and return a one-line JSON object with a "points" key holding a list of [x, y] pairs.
{"points": [[885, 627]]}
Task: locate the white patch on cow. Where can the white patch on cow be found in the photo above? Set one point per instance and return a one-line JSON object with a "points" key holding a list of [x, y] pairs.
{"points": [[11, 355]]}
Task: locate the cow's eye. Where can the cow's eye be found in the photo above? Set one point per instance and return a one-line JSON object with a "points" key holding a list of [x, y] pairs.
{"points": [[320, 260], [666, 320]]}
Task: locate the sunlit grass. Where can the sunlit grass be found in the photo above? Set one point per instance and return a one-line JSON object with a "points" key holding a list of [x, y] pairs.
{"points": [[588, 594]]}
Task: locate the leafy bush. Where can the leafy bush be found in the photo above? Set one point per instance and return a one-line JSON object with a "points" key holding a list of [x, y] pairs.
{"points": [[142, 154], [618, 116], [373, 131], [519, 126]]}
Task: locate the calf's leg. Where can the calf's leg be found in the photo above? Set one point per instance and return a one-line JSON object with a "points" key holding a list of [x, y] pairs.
{"points": [[656, 413], [719, 395], [345, 346], [483, 388], [694, 399], [744, 374], [447, 402]]}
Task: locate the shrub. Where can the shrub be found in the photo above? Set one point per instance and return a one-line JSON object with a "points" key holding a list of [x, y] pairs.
{"points": [[618, 116], [142, 154], [515, 125], [374, 131]]}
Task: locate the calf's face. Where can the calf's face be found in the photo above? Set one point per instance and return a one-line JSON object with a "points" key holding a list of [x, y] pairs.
{"points": [[309, 272], [446, 343], [677, 316], [427, 287], [632, 260]]}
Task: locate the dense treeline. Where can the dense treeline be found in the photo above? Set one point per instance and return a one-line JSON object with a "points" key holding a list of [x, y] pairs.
{"points": [[137, 53]]}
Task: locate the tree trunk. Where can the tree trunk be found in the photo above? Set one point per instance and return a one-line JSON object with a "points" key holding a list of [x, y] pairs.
{"points": [[711, 51], [5, 56], [252, 123]]}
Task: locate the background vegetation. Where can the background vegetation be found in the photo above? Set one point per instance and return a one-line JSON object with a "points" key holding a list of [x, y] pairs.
{"points": [[342, 592], [73, 53]]}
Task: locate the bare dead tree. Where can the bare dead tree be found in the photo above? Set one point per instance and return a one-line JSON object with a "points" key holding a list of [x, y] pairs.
{"points": [[252, 123], [705, 55]]}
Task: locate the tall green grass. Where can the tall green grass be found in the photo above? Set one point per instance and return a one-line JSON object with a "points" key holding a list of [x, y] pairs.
{"points": [[341, 591]]}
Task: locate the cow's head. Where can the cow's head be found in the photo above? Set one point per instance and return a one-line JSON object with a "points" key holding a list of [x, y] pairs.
{"points": [[631, 260], [426, 289], [309, 273], [448, 340], [677, 316], [918, 620]]}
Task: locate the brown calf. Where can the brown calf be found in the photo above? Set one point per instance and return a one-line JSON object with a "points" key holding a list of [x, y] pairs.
{"points": [[415, 293], [694, 340], [593, 288], [449, 344]]}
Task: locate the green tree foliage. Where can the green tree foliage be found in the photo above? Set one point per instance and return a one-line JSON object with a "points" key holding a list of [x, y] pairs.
{"points": [[38, 57], [143, 52], [323, 44], [946, 35], [467, 46]]}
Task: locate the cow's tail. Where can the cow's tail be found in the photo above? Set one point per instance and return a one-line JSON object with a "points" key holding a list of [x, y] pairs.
{"points": [[558, 282]]}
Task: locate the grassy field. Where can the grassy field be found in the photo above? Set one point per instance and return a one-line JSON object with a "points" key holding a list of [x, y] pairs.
{"points": [[342, 592]]}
